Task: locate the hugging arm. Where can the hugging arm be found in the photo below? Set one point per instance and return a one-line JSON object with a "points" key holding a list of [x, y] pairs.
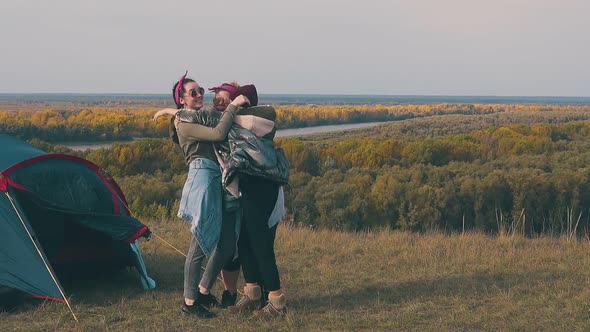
{"points": [[211, 134], [165, 111], [217, 133]]}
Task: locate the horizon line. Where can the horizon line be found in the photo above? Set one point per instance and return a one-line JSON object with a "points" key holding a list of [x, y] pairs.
{"points": [[295, 94]]}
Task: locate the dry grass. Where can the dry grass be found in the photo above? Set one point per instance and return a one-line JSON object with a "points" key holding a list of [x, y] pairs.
{"points": [[354, 282]]}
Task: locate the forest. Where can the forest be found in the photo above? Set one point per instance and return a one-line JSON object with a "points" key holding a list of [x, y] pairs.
{"points": [[453, 168], [100, 123]]}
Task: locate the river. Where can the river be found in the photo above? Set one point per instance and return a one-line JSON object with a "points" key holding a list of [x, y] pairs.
{"points": [[81, 146]]}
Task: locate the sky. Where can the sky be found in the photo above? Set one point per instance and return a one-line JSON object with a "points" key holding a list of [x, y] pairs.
{"points": [[385, 47]]}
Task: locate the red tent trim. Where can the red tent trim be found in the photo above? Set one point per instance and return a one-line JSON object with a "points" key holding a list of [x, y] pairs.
{"points": [[120, 193], [16, 185], [110, 183], [3, 183], [138, 234], [6, 181], [44, 297]]}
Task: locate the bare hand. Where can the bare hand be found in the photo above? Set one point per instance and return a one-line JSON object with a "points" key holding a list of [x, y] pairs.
{"points": [[240, 100], [166, 111], [176, 122]]}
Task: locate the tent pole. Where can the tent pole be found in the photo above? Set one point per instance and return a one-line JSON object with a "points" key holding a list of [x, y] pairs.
{"points": [[42, 258]]}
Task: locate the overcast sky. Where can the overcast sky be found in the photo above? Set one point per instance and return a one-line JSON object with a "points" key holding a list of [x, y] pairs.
{"points": [[394, 47]]}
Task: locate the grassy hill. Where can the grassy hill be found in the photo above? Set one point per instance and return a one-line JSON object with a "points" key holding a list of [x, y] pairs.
{"points": [[378, 281]]}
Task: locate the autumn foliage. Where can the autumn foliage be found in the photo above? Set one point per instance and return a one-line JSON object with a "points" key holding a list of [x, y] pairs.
{"points": [[494, 168], [121, 123]]}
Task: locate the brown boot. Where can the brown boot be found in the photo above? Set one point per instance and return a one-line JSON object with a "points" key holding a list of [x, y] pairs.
{"points": [[249, 302], [277, 306]]}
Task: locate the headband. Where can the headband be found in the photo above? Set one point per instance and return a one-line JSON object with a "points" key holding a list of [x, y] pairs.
{"points": [[179, 88], [227, 87]]}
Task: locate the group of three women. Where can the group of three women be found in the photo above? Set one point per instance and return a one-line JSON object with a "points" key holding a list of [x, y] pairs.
{"points": [[226, 200]]}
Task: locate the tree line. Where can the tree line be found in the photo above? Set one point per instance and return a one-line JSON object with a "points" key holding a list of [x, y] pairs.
{"points": [[530, 178], [123, 123]]}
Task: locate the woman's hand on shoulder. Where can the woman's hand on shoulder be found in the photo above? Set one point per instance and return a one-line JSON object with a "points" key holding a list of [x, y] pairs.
{"points": [[240, 101]]}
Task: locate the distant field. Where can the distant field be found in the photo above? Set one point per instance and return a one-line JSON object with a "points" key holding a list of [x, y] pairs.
{"points": [[335, 281]]}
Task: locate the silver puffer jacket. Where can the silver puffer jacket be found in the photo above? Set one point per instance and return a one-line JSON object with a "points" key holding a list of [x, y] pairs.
{"points": [[244, 152]]}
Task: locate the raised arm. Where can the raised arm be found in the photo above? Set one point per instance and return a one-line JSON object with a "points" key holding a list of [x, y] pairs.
{"points": [[217, 133], [165, 111]]}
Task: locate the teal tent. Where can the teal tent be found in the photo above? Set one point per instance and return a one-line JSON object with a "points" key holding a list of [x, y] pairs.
{"points": [[59, 213]]}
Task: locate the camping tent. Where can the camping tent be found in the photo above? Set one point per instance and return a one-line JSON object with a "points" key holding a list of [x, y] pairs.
{"points": [[58, 213]]}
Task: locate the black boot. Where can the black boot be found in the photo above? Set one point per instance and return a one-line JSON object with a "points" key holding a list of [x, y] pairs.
{"points": [[207, 300], [196, 310], [227, 299]]}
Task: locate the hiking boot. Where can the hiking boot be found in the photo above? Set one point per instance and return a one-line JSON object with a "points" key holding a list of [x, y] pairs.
{"points": [[207, 300], [227, 299], [196, 310], [249, 302], [276, 307]]}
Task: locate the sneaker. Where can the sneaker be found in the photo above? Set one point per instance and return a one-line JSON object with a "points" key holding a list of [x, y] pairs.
{"points": [[196, 310], [207, 300], [269, 311], [227, 299], [249, 302]]}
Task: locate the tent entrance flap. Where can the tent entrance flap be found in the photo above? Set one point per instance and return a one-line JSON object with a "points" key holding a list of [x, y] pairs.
{"points": [[70, 237]]}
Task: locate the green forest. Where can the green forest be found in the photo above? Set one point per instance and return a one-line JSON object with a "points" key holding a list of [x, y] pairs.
{"points": [[453, 168]]}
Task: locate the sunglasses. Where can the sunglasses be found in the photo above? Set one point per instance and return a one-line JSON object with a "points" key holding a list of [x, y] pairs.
{"points": [[219, 100], [193, 92]]}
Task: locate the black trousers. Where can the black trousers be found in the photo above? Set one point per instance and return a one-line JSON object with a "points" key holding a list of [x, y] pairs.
{"points": [[256, 243]]}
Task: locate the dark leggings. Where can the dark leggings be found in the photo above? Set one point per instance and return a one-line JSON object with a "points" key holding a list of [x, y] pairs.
{"points": [[232, 265], [256, 243]]}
